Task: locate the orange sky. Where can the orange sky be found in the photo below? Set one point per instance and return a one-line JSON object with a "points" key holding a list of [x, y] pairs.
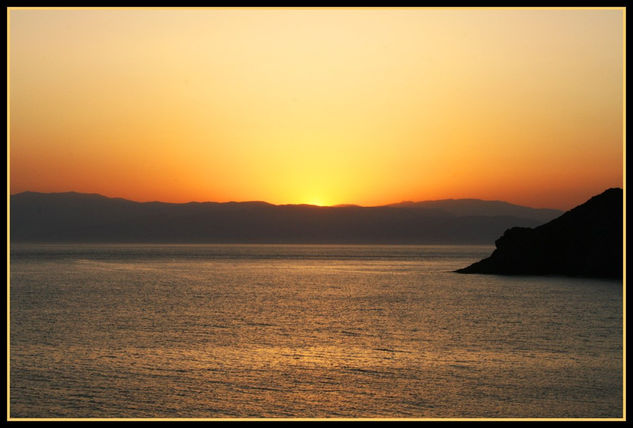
{"points": [[323, 106]]}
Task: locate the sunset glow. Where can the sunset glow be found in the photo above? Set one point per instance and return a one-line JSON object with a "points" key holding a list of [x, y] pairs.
{"points": [[318, 106]]}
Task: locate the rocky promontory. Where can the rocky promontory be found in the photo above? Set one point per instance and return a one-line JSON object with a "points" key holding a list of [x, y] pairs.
{"points": [[585, 241]]}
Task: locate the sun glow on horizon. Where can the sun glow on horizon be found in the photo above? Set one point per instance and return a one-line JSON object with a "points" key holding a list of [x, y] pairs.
{"points": [[318, 106], [319, 203]]}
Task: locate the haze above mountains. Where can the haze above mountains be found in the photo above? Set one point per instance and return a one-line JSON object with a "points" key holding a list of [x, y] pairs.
{"points": [[77, 217]]}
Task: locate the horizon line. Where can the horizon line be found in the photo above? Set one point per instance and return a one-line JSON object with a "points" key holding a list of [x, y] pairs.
{"points": [[342, 205]]}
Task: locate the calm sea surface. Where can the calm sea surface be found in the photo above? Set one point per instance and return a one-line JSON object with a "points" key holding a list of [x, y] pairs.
{"points": [[304, 331]]}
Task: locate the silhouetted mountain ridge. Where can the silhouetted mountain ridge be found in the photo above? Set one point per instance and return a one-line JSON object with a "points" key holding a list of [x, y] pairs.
{"points": [[77, 217], [479, 207]]}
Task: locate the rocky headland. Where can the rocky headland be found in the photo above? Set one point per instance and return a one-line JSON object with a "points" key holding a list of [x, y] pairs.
{"points": [[585, 241]]}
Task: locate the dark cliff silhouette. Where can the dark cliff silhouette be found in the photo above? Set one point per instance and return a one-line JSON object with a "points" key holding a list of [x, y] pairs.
{"points": [[75, 217], [585, 241]]}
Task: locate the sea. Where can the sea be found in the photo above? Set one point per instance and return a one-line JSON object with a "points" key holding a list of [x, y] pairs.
{"points": [[304, 331]]}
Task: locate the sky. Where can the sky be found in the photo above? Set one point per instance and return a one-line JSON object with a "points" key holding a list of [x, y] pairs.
{"points": [[319, 106]]}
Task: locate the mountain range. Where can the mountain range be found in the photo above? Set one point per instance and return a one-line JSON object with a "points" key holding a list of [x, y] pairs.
{"points": [[80, 217]]}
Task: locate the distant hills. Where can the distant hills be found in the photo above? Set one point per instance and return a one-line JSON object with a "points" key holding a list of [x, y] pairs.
{"points": [[585, 241], [77, 217]]}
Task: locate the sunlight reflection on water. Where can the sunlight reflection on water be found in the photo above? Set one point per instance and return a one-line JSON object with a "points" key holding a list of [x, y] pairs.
{"points": [[305, 331]]}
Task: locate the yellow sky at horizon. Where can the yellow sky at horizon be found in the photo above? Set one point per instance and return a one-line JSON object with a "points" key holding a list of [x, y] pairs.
{"points": [[324, 106]]}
